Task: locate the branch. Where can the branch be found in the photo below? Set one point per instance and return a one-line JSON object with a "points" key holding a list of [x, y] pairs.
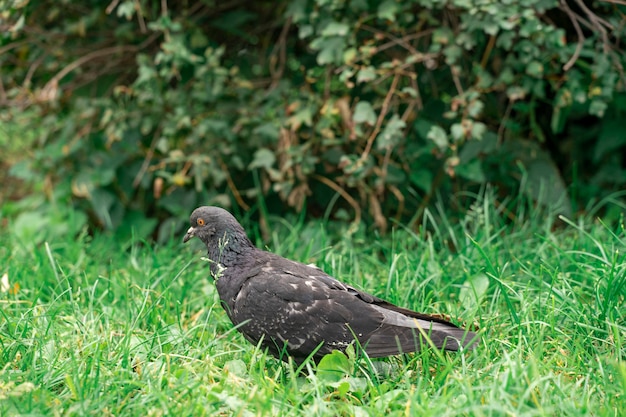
{"points": [[280, 51], [383, 112], [49, 90], [579, 33], [598, 23], [344, 194], [397, 41]]}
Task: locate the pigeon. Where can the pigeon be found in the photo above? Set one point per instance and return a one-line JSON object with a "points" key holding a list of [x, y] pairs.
{"points": [[298, 311]]}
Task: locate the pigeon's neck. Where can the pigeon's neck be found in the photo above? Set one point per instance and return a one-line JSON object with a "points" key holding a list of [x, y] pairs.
{"points": [[225, 252]]}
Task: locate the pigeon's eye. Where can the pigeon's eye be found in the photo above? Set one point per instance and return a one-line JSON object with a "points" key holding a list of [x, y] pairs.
{"points": [[200, 222]]}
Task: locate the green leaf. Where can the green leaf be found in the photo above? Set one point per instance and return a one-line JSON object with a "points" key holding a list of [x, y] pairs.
{"points": [[305, 31], [135, 225], [515, 93], [475, 108], [473, 291], [304, 116], [263, 158], [387, 10], [423, 179], [442, 35], [28, 226], [491, 28], [297, 10], [350, 55], [410, 91], [611, 138], [102, 201], [422, 127], [336, 29], [19, 23], [457, 131], [343, 388], [395, 175], [535, 69], [236, 367], [479, 130], [333, 367], [438, 136], [23, 170], [472, 171], [330, 49], [268, 131], [544, 182], [126, 9], [452, 54], [364, 113], [597, 108], [474, 148], [366, 74], [392, 134]]}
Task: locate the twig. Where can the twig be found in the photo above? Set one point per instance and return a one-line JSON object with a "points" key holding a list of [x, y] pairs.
{"points": [[457, 81], [53, 83], [14, 45], [395, 191], [383, 112], [344, 194], [233, 187], [598, 23], [417, 101], [140, 19], [279, 49], [32, 69], [398, 41], [384, 168], [146, 162], [579, 33], [377, 213], [401, 41], [111, 6], [488, 49], [400, 69], [594, 17]]}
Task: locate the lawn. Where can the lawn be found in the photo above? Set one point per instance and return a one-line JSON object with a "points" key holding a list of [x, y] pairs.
{"points": [[90, 326]]}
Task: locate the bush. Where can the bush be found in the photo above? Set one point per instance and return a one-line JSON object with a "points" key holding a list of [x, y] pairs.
{"points": [[148, 109]]}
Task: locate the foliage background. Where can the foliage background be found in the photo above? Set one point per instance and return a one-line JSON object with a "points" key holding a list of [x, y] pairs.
{"points": [[125, 115]]}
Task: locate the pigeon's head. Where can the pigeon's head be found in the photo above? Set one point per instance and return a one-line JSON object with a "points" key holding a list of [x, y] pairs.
{"points": [[209, 224]]}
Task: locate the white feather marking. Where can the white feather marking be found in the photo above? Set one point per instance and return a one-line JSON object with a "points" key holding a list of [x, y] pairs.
{"points": [[398, 319], [295, 344]]}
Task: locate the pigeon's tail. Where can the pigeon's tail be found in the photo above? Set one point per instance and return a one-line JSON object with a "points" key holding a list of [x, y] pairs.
{"points": [[448, 336], [403, 334]]}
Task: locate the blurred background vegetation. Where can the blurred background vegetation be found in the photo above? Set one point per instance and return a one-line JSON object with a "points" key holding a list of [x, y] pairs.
{"points": [[124, 115]]}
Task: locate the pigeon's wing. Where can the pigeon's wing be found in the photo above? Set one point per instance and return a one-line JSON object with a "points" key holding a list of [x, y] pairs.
{"points": [[404, 323], [295, 314], [400, 326], [296, 307]]}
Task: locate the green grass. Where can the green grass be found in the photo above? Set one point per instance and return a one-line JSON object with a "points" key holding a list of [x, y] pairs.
{"points": [[89, 329]]}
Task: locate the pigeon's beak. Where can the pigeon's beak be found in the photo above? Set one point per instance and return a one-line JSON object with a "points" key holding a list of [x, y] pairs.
{"points": [[191, 232]]}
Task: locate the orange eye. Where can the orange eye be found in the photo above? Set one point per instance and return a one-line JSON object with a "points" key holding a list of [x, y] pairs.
{"points": [[200, 222]]}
